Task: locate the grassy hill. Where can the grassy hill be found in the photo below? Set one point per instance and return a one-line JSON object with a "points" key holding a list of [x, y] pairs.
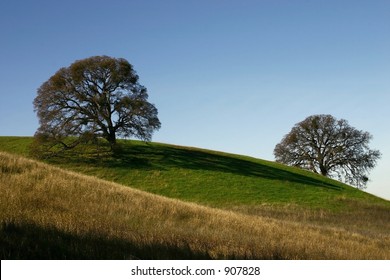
{"points": [[295, 213]]}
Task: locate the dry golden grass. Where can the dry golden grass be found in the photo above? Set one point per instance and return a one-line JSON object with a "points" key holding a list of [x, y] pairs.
{"points": [[46, 212], [369, 220]]}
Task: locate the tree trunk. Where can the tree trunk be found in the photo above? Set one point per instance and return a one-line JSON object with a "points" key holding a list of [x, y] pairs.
{"points": [[324, 170], [111, 138]]}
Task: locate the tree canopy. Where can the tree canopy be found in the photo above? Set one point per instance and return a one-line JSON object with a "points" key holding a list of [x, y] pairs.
{"points": [[98, 96], [330, 147]]}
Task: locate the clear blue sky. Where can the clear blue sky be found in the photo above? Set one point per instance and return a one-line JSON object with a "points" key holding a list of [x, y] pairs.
{"points": [[233, 76]]}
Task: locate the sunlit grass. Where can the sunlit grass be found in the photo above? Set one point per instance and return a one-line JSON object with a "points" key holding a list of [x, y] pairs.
{"points": [[206, 177], [46, 212]]}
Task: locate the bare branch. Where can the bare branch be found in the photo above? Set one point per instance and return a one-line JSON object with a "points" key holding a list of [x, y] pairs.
{"points": [[99, 95], [330, 147]]}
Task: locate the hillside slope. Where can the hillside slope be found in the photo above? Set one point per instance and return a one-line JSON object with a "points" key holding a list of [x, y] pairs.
{"points": [[231, 182], [207, 177], [50, 213]]}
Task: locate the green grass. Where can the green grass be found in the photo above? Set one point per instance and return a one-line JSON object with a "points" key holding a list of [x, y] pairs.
{"points": [[50, 213], [16, 144], [298, 214], [207, 177]]}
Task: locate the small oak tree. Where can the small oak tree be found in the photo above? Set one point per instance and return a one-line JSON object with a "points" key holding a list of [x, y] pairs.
{"points": [[329, 147], [95, 97]]}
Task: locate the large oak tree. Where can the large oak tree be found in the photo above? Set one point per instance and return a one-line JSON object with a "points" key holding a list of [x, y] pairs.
{"points": [[329, 147], [95, 97]]}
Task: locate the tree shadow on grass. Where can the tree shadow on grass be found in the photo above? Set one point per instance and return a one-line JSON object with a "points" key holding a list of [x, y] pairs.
{"points": [[136, 155], [163, 157], [33, 242]]}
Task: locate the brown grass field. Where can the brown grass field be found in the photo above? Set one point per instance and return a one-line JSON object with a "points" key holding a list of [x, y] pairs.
{"points": [[50, 213]]}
